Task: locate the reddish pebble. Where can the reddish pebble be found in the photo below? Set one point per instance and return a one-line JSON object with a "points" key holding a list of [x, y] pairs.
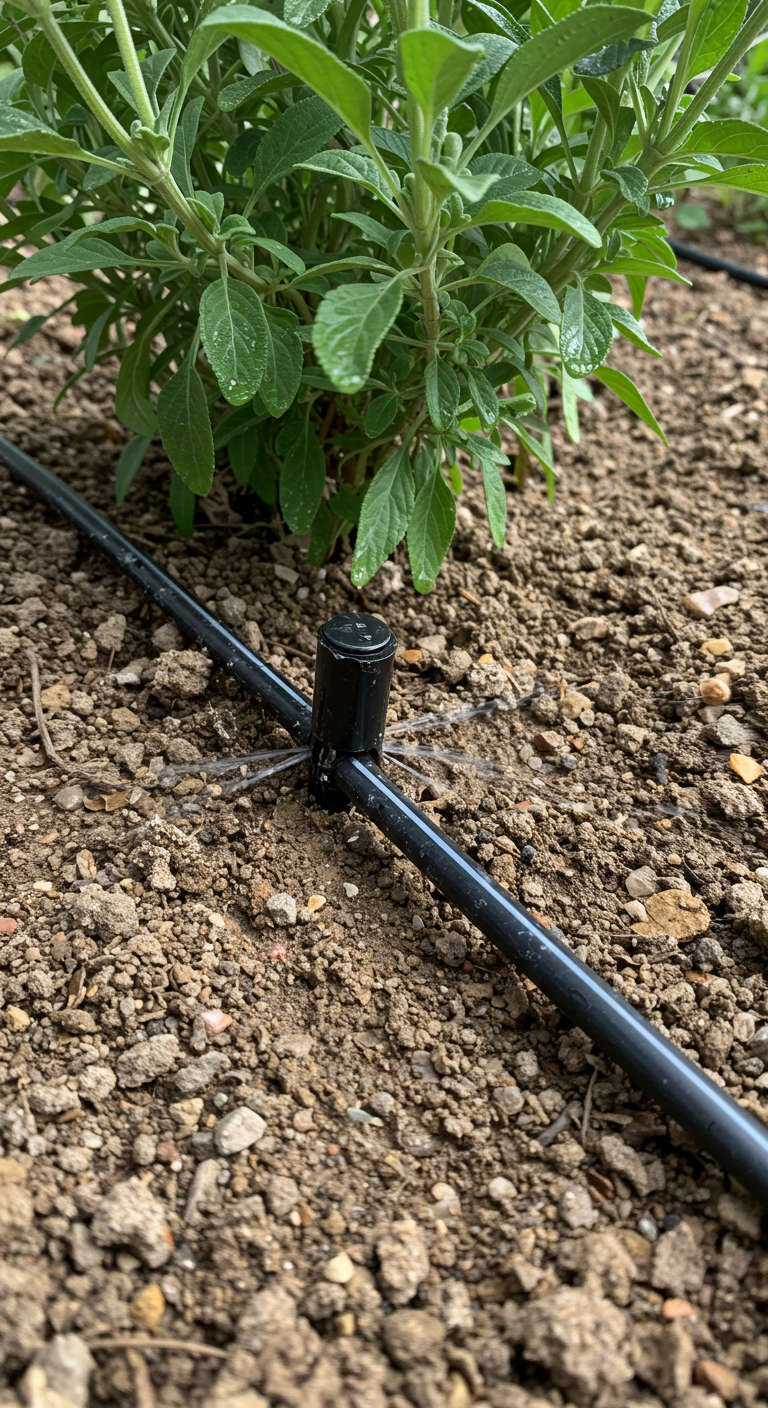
{"points": [[277, 952], [8, 925], [167, 1152], [215, 1022]]}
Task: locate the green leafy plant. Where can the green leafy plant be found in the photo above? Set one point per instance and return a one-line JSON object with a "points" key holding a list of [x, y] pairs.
{"points": [[348, 250]]}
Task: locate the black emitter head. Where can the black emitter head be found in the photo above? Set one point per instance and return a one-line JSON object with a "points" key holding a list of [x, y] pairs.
{"points": [[353, 674]]}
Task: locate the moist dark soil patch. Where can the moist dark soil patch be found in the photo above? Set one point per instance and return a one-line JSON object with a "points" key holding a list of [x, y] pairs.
{"points": [[394, 1176]]}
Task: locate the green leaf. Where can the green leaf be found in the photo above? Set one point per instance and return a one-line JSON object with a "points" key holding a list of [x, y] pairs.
{"points": [[352, 166], [533, 208], [443, 393], [524, 283], [442, 181], [301, 130], [349, 325], [484, 396], [133, 407], [73, 255], [631, 181], [430, 530], [129, 465], [303, 12], [610, 57], [343, 89], [623, 387], [23, 132], [497, 48], [559, 46], [586, 331], [631, 329], [716, 25], [739, 178], [184, 140], [495, 500], [302, 475], [325, 530], [284, 362], [384, 516], [643, 268], [726, 137], [435, 65], [182, 503], [381, 413], [185, 427], [233, 330]]}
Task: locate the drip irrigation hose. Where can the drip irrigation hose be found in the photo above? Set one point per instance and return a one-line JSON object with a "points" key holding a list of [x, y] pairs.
{"points": [[721, 266], [737, 1140]]}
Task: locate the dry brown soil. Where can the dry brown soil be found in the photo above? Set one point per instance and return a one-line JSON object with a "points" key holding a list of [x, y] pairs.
{"points": [[396, 1177]]}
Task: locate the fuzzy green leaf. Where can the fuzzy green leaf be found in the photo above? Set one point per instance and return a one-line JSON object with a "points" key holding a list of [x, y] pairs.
{"points": [[132, 404], [623, 387], [284, 361], [525, 283], [495, 500], [350, 324], [726, 137], [384, 516], [430, 530], [234, 334], [296, 134], [185, 428], [559, 46], [302, 475], [533, 208], [586, 331], [435, 65], [443, 393], [442, 181], [23, 132], [717, 24], [303, 12], [381, 413], [629, 327], [353, 166], [129, 465], [343, 89], [484, 396], [73, 255]]}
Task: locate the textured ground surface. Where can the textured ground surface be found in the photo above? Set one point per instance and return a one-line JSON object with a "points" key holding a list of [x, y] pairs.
{"points": [[352, 1159]]}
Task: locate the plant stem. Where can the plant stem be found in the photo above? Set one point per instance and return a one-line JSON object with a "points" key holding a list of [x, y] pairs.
{"points": [[90, 94], [130, 60], [748, 33]]}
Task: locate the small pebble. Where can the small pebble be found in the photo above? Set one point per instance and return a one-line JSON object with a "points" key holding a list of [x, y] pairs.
{"points": [[528, 854], [647, 1228], [500, 1190], [351, 891], [339, 1270], [641, 882], [282, 908], [706, 603], [716, 689], [745, 767], [238, 1130], [717, 645]]}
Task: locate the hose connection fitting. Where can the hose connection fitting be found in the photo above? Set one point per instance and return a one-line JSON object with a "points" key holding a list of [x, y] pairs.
{"points": [[353, 674]]}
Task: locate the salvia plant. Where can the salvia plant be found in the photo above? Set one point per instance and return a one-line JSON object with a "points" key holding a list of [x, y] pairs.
{"points": [[348, 250]]}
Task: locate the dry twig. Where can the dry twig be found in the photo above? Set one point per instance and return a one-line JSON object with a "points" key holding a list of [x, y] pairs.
{"points": [[172, 1346]]}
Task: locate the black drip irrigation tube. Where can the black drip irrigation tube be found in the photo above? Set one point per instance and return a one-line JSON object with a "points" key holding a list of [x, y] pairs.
{"points": [[741, 272], [344, 727]]}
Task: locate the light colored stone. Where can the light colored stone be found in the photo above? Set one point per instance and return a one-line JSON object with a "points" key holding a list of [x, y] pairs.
{"points": [[147, 1060], [675, 913], [108, 912], [706, 603], [641, 882], [717, 645], [282, 908], [131, 1216], [148, 1307], [238, 1130], [339, 1270], [16, 1019]]}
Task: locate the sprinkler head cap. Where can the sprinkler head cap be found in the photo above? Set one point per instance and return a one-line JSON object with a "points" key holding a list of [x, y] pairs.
{"points": [[353, 674]]}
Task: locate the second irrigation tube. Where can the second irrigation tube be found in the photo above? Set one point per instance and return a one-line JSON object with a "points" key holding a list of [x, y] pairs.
{"points": [[354, 668]]}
